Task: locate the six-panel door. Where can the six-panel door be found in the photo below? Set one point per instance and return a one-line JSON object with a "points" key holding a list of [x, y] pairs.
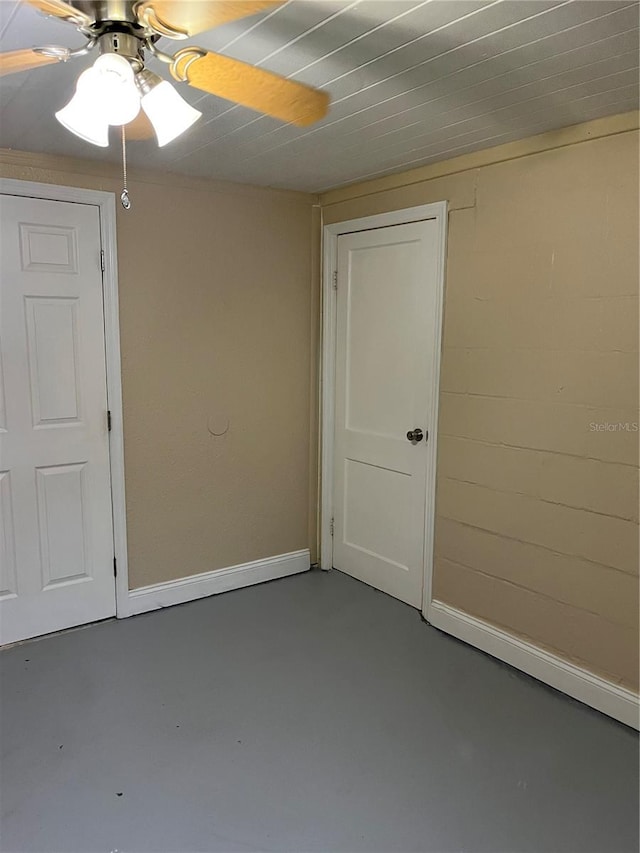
{"points": [[56, 545]]}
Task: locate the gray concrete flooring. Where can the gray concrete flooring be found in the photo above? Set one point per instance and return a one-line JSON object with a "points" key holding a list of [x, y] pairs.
{"points": [[307, 714]]}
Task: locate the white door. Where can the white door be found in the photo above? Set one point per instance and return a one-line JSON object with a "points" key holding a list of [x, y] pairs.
{"points": [[56, 542], [385, 373]]}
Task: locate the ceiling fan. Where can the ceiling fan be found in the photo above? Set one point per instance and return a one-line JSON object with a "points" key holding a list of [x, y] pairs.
{"points": [[115, 88]]}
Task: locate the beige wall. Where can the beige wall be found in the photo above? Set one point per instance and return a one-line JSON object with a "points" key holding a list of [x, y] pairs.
{"points": [[536, 512], [536, 527], [215, 319]]}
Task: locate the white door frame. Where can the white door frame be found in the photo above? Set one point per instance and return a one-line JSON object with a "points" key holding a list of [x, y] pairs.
{"points": [[437, 211], [105, 202]]}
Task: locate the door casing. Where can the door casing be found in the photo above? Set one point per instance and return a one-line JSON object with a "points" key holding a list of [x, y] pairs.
{"points": [[438, 212], [105, 202]]}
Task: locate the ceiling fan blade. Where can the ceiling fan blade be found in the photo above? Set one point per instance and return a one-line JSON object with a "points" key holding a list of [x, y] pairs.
{"points": [[22, 60], [189, 17], [140, 127], [251, 87], [60, 9]]}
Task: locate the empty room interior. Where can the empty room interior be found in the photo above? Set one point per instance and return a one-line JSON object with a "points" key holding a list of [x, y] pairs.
{"points": [[319, 426]]}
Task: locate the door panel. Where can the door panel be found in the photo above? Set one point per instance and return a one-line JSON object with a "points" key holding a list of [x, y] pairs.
{"points": [[52, 353], [379, 362], [55, 493], [62, 523], [8, 585], [386, 302], [377, 512]]}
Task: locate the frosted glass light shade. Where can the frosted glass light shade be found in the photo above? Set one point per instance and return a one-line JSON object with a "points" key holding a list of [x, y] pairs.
{"points": [[121, 107], [168, 112], [114, 89], [83, 115], [115, 66]]}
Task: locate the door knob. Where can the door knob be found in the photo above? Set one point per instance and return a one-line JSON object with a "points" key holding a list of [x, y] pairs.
{"points": [[415, 435]]}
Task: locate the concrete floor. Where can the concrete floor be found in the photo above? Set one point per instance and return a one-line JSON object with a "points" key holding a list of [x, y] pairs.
{"points": [[308, 714]]}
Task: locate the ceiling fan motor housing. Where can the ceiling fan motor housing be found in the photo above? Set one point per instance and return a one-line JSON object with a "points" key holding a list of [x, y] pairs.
{"points": [[107, 10], [123, 44]]}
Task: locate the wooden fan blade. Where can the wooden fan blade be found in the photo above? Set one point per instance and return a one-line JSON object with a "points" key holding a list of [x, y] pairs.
{"points": [[60, 9], [195, 16], [140, 127], [251, 87], [22, 60]]}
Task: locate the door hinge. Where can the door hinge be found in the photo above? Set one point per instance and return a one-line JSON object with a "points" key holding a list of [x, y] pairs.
{"points": [[332, 526], [102, 264], [335, 279], [109, 420], [115, 568]]}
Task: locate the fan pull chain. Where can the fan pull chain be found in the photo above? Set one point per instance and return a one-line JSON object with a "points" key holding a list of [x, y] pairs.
{"points": [[124, 195]]}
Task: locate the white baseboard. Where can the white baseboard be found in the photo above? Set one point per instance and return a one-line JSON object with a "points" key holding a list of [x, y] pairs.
{"points": [[178, 591], [605, 696]]}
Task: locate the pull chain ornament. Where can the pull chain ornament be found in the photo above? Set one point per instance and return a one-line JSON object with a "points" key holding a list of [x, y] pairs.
{"points": [[124, 195]]}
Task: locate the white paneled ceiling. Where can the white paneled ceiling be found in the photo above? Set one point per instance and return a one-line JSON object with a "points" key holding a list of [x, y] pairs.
{"points": [[411, 82]]}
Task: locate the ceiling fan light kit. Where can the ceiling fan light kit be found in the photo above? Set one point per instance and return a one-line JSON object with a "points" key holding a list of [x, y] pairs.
{"points": [[111, 92]]}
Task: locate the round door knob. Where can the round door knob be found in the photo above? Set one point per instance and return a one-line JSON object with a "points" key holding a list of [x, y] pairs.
{"points": [[415, 435]]}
